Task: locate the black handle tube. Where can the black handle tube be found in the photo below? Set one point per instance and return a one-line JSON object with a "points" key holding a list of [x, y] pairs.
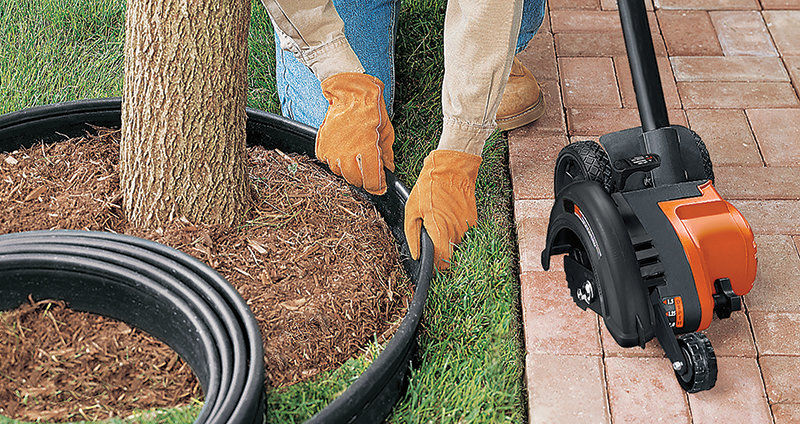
{"points": [[644, 68]]}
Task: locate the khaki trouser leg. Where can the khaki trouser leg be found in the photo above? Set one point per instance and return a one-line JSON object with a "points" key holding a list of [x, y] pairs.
{"points": [[314, 33], [479, 41]]}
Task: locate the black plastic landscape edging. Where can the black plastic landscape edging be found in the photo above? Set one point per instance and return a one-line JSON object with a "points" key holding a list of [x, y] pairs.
{"points": [[179, 299], [160, 290]]}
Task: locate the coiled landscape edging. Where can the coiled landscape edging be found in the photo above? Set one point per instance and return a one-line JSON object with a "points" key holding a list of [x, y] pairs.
{"points": [[94, 275], [160, 290]]}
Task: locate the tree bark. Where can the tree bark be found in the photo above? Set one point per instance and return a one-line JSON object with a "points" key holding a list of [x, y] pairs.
{"points": [[183, 114]]}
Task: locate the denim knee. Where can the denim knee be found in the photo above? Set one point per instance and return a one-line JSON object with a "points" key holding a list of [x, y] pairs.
{"points": [[370, 27]]}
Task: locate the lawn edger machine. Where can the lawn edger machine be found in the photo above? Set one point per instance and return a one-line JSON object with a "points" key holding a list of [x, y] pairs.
{"points": [[649, 244]]}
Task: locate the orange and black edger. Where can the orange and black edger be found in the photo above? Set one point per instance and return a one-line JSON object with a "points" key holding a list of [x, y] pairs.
{"points": [[649, 244]]}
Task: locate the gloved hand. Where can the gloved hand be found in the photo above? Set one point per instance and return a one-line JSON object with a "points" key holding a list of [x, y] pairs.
{"points": [[444, 199], [356, 136]]}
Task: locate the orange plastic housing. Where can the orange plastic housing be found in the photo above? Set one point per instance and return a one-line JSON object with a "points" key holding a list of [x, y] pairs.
{"points": [[718, 243]]}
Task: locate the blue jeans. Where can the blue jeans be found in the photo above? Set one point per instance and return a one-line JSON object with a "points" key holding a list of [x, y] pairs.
{"points": [[371, 28]]}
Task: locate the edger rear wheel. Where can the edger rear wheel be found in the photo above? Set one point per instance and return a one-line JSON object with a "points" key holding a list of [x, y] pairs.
{"points": [[705, 157], [582, 160]]}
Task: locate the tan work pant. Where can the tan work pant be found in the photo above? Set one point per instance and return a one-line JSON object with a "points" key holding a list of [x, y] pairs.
{"points": [[479, 41]]}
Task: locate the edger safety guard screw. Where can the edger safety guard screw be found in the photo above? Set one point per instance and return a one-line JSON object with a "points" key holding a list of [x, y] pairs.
{"points": [[586, 292]]}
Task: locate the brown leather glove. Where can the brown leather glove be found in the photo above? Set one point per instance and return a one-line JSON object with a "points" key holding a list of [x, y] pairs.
{"points": [[356, 136], [444, 199]]}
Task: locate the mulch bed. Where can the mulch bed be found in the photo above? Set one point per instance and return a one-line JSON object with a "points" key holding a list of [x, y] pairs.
{"points": [[60, 364], [316, 264]]}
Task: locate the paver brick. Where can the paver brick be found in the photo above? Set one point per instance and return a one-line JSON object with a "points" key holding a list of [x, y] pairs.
{"points": [[566, 389], [728, 68], [778, 134], [553, 119], [540, 57], [532, 156], [793, 65], [600, 121], [784, 26], [625, 81], [780, 378], [786, 413], [776, 332], [688, 33], [584, 21], [611, 348], [738, 396], [778, 276], [594, 44], [743, 33], [708, 4], [771, 216], [727, 136], [585, 44], [553, 323], [732, 336], [531, 219], [589, 81], [574, 4], [749, 182], [545, 27], [639, 387], [781, 5], [737, 95]]}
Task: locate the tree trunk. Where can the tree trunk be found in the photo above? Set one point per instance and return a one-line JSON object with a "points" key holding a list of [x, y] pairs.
{"points": [[183, 114]]}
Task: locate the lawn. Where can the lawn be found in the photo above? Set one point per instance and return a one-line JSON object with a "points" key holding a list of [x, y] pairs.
{"points": [[470, 364]]}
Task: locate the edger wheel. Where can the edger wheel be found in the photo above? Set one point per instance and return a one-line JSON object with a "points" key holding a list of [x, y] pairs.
{"points": [[583, 160], [701, 362]]}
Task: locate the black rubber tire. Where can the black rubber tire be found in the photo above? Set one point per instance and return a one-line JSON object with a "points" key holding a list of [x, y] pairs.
{"points": [[708, 167], [701, 361], [582, 160]]}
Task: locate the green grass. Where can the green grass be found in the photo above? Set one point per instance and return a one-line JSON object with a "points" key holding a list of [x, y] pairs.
{"points": [[469, 367]]}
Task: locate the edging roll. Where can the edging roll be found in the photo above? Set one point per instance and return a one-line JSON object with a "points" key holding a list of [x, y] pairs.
{"points": [[160, 290], [180, 300]]}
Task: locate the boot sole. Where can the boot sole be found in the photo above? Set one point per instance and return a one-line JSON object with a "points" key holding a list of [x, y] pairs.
{"points": [[523, 118]]}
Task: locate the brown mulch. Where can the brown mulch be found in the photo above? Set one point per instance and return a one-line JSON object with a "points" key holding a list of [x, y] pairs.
{"points": [[60, 364], [316, 264]]}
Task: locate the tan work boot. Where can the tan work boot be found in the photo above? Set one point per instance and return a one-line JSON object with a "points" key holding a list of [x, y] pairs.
{"points": [[522, 102]]}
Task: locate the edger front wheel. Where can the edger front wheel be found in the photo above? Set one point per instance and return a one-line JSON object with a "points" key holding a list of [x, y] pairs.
{"points": [[701, 361]]}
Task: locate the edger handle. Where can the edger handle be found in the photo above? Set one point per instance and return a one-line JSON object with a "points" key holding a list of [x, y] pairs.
{"points": [[644, 68]]}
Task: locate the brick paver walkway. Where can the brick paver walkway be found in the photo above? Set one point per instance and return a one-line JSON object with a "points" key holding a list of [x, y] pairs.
{"points": [[731, 71]]}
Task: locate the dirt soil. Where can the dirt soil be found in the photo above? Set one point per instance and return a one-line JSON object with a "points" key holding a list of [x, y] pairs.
{"points": [[315, 263]]}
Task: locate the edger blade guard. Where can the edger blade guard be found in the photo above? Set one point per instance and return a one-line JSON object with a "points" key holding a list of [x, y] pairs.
{"points": [[602, 270]]}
